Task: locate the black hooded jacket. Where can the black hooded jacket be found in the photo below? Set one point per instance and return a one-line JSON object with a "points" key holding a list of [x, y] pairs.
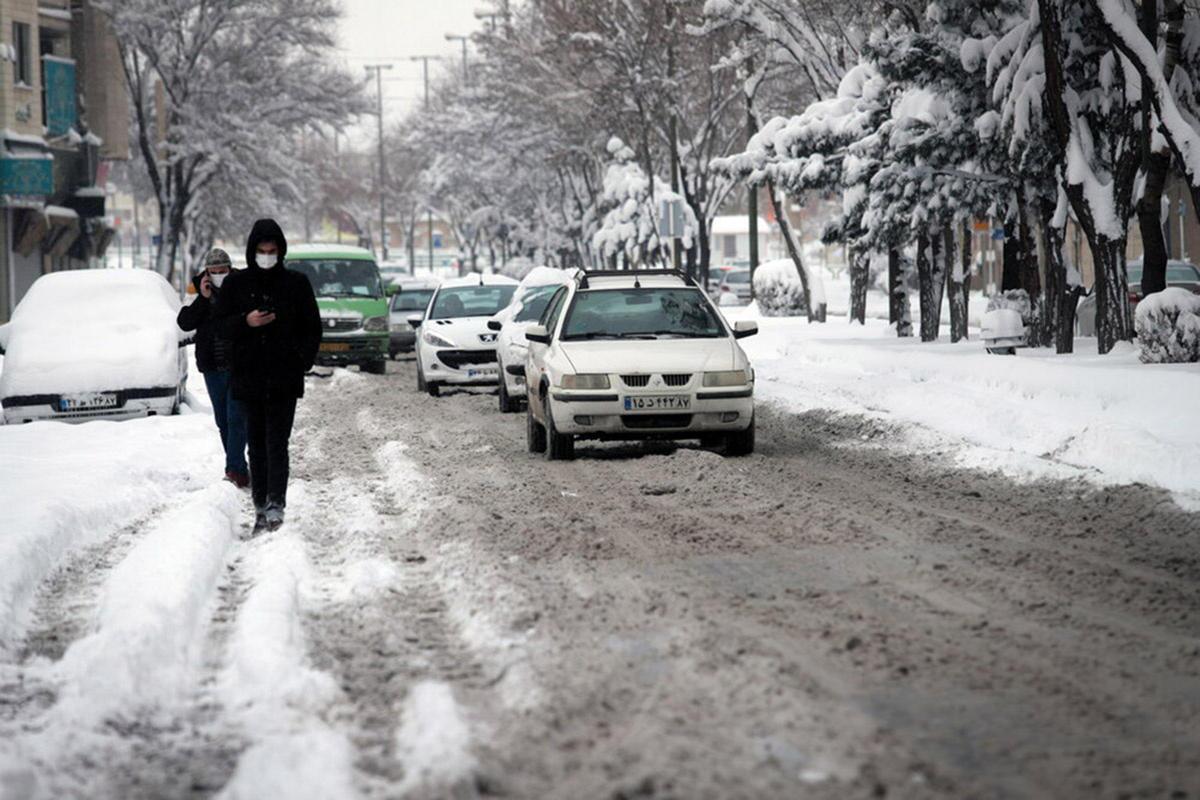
{"points": [[269, 360], [212, 351]]}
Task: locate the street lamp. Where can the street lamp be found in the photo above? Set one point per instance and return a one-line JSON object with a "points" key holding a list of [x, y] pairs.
{"points": [[378, 70], [454, 37]]}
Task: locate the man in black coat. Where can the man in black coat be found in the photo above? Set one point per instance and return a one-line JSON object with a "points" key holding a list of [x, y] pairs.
{"points": [[270, 314], [213, 353]]}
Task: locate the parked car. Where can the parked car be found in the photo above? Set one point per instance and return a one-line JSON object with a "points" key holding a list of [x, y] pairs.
{"points": [[528, 304], [350, 295], [734, 288], [715, 274], [1179, 273], [454, 344], [91, 344], [411, 296], [635, 355]]}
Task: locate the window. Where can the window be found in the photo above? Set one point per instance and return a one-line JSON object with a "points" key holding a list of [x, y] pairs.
{"points": [[471, 301], [411, 299], [730, 247], [641, 314], [340, 278], [550, 318], [534, 304], [22, 66]]}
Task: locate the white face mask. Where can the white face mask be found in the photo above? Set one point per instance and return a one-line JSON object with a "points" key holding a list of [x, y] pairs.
{"points": [[218, 279], [266, 261]]}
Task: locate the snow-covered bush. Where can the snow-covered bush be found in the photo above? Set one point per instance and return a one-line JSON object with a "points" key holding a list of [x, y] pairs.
{"points": [[778, 290], [1017, 300], [1168, 327]]}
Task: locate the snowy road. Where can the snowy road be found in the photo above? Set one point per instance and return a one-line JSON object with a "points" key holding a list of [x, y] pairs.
{"points": [[446, 616]]}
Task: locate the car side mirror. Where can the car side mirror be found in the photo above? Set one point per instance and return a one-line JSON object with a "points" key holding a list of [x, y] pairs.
{"points": [[495, 325], [391, 289], [539, 334], [415, 320], [744, 327]]}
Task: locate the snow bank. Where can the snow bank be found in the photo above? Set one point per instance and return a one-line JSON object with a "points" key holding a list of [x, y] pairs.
{"points": [[64, 487], [152, 614], [1168, 327], [778, 291], [93, 330], [434, 740], [313, 765], [1031, 416]]}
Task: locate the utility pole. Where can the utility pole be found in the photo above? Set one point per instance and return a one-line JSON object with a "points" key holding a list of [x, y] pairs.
{"points": [[752, 191], [454, 37], [676, 243], [378, 70], [428, 211]]}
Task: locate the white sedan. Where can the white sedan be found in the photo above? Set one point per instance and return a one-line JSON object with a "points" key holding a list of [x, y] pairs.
{"points": [[455, 347], [87, 344], [637, 355], [527, 306]]}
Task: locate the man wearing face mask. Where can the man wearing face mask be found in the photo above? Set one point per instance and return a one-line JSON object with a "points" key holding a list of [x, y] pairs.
{"points": [[213, 360], [270, 314]]}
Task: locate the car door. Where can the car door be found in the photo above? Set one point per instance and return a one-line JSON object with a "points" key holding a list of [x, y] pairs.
{"points": [[535, 362]]}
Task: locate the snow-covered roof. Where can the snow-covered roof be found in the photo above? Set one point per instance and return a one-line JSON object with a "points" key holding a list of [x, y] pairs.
{"points": [[329, 250], [732, 224], [477, 279]]}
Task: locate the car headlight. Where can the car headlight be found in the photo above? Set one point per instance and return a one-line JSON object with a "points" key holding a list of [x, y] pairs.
{"points": [[434, 340], [584, 382], [736, 377], [376, 324]]}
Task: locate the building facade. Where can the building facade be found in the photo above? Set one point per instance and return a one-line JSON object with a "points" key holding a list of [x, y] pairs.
{"points": [[64, 116]]}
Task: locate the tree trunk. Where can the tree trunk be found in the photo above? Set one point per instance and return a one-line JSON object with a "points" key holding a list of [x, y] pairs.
{"points": [[899, 313], [860, 274], [1031, 281], [1013, 256], [931, 281], [786, 230], [1112, 294], [959, 271], [1155, 165]]}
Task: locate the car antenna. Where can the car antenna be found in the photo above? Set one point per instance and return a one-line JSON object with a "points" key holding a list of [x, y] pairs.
{"points": [[481, 279], [637, 284]]}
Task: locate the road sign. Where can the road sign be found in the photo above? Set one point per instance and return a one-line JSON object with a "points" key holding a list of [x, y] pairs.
{"points": [[670, 219], [998, 234]]}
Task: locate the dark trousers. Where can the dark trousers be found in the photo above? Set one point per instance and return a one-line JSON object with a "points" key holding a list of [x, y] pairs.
{"points": [[269, 427], [231, 422]]}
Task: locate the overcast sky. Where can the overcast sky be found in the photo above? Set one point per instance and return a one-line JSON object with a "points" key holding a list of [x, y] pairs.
{"points": [[375, 31]]}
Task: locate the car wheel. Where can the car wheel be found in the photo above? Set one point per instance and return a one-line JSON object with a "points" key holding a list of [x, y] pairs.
{"points": [[420, 378], [434, 389], [1002, 351], [711, 440], [375, 367], [559, 446], [740, 443], [507, 404], [535, 434]]}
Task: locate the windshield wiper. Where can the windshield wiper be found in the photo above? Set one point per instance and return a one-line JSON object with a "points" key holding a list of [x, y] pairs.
{"points": [[684, 334], [591, 335]]}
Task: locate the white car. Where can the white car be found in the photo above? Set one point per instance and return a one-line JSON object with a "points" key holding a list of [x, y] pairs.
{"points": [[455, 347], [526, 309], [637, 354], [87, 344]]}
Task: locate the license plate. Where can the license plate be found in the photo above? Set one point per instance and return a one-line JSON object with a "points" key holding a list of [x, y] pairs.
{"points": [[78, 402], [486, 372], [661, 402], [334, 347]]}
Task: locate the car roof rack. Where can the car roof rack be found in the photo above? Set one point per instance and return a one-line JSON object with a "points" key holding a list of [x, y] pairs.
{"points": [[633, 273]]}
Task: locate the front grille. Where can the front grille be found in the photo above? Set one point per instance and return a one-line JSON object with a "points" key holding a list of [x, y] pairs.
{"points": [[653, 421], [635, 381], [457, 359], [332, 325], [677, 380]]}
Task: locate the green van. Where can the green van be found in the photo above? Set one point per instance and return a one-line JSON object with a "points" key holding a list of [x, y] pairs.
{"points": [[350, 294]]}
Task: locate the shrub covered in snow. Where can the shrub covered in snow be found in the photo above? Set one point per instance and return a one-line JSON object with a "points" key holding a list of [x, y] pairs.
{"points": [[778, 290], [1016, 299], [1168, 327]]}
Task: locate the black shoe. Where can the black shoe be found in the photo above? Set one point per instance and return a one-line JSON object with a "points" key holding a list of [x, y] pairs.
{"points": [[274, 517], [260, 523]]}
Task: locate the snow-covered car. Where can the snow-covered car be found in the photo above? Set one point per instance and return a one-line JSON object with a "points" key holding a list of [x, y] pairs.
{"points": [[528, 304], [637, 354], [734, 288], [454, 344], [410, 296], [87, 344]]}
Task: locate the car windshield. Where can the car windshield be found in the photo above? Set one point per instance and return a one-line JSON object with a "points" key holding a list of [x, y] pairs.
{"points": [[338, 278], [737, 277], [411, 299], [471, 301], [533, 304], [650, 313]]}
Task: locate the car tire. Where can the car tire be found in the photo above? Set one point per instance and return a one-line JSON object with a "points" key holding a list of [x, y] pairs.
{"points": [[507, 404], [420, 378], [1002, 351], [434, 389], [375, 367], [559, 446], [712, 440], [740, 443], [535, 434]]}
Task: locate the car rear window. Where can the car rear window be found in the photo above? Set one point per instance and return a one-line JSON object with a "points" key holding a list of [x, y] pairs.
{"points": [[738, 277], [534, 303], [1182, 272], [411, 300], [471, 301], [648, 313]]}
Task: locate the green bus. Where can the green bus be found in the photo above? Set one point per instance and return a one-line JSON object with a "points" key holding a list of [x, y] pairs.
{"points": [[354, 308]]}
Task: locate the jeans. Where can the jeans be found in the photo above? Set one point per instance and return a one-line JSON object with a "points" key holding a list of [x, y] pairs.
{"points": [[269, 427], [231, 420]]}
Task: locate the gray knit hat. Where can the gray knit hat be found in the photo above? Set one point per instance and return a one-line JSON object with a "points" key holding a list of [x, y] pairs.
{"points": [[217, 258]]}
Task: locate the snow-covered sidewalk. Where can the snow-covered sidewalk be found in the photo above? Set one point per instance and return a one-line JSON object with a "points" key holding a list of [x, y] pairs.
{"points": [[1109, 419]]}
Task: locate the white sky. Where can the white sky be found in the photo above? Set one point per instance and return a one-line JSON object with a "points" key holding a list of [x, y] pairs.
{"points": [[378, 31]]}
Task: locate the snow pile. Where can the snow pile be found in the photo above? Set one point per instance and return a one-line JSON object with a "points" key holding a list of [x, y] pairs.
{"points": [[313, 765], [1168, 327], [1015, 300], [92, 330], [778, 291], [152, 614], [434, 741]]}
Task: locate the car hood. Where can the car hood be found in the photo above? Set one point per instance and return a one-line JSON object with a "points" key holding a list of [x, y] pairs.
{"points": [[463, 332], [652, 357]]}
